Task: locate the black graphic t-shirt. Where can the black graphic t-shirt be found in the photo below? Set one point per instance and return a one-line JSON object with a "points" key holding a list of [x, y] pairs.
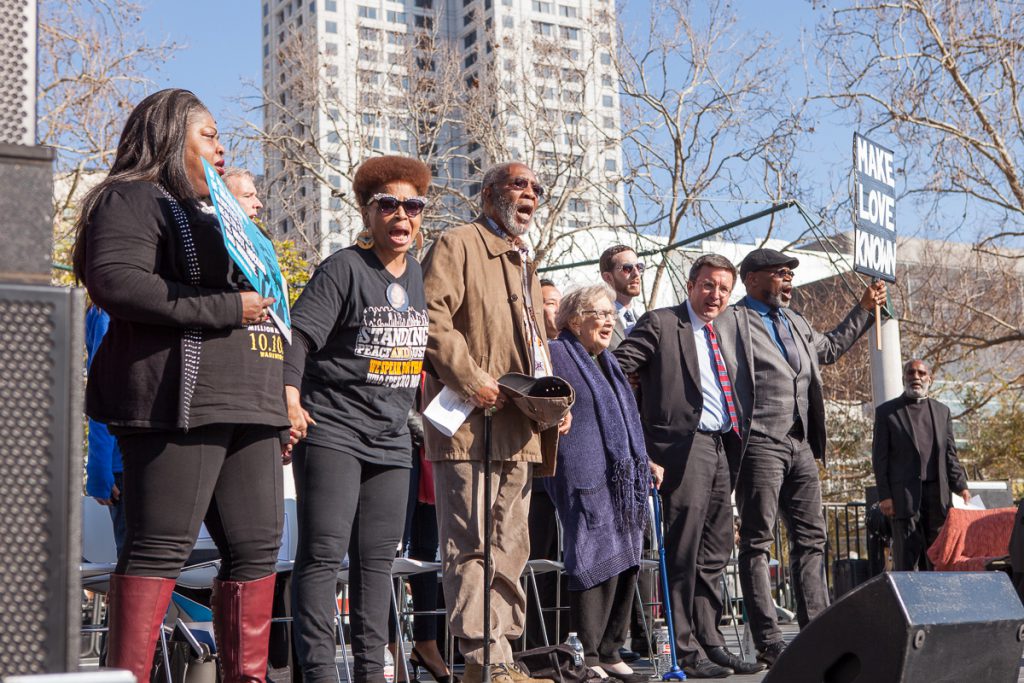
{"points": [[367, 332]]}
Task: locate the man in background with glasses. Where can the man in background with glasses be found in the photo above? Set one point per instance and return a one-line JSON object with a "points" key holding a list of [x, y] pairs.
{"points": [[773, 356], [621, 270]]}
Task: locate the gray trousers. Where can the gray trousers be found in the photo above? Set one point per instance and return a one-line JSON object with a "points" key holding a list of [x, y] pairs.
{"points": [[698, 542], [780, 477], [459, 488]]}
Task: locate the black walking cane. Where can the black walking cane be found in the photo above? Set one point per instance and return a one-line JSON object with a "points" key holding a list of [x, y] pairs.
{"points": [[488, 413]]}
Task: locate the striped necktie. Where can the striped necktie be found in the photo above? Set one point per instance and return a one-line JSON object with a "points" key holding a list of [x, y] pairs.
{"points": [[723, 377]]}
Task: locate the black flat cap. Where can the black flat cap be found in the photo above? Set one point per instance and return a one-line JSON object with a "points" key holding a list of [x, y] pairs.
{"points": [[763, 259], [545, 400]]}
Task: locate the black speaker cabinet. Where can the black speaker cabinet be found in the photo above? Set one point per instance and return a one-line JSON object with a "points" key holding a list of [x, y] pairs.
{"points": [[912, 627], [41, 377]]}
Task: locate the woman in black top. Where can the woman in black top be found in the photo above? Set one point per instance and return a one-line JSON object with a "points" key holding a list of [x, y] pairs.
{"points": [[362, 320], [185, 383]]}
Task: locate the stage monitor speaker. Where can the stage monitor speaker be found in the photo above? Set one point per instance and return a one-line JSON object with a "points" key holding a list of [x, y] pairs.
{"points": [[912, 627], [18, 72], [41, 377]]}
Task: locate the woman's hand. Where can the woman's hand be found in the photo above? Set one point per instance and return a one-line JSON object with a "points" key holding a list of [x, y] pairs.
{"points": [[297, 415], [255, 308], [657, 473]]}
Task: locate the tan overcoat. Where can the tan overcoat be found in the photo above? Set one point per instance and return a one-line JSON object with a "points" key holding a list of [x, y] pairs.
{"points": [[473, 283]]}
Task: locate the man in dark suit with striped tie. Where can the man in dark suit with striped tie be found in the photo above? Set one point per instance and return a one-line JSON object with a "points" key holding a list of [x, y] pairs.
{"points": [[692, 431], [773, 356]]}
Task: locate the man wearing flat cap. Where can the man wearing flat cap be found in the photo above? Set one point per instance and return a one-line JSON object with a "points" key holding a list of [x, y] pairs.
{"points": [[774, 356]]}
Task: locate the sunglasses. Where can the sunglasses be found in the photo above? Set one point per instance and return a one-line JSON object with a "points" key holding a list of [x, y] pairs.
{"points": [[522, 183], [388, 204], [628, 268], [782, 273]]}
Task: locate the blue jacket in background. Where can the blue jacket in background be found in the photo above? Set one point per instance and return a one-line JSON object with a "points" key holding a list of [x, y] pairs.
{"points": [[104, 456]]}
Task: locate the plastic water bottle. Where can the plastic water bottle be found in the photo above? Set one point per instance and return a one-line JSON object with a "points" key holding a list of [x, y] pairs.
{"points": [[389, 666], [573, 641], [663, 649]]}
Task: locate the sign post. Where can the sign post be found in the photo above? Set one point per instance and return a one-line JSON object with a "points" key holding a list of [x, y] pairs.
{"points": [[874, 207]]}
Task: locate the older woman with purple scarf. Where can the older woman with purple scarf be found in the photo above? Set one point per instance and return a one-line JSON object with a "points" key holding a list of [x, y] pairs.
{"points": [[601, 482]]}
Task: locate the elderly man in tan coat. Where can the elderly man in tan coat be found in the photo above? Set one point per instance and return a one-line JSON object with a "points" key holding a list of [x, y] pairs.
{"points": [[487, 319]]}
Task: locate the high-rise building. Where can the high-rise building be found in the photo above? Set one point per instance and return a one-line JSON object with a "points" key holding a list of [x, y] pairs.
{"points": [[460, 84]]}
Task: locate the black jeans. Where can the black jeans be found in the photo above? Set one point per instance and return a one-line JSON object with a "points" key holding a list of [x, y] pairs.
{"points": [[228, 475], [344, 504], [780, 477], [600, 614]]}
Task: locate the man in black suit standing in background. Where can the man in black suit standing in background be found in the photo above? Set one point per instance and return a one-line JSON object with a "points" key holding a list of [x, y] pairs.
{"points": [[916, 468], [621, 270], [692, 431]]}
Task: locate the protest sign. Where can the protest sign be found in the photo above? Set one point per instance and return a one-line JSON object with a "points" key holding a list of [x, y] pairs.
{"points": [[250, 249], [874, 210]]}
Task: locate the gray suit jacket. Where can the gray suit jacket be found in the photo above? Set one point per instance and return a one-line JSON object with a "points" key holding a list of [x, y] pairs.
{"points": [[733, 328]]}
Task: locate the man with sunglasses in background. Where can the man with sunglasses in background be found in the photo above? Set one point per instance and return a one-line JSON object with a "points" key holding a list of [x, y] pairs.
{"points": [[773, 356], [487, 319], [621, 270]]}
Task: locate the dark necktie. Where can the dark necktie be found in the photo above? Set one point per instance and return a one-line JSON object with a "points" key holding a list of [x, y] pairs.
{"points": [[723, 377], [786, 337], [630, 319]]}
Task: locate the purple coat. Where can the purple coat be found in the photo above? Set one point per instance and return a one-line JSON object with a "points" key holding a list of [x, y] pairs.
{"points": [[602, 480]]}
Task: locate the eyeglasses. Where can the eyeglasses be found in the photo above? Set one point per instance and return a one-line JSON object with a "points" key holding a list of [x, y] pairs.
{"points": [[601, 315], [782, 273], [523, 183], [628, 268], [387, 204]]}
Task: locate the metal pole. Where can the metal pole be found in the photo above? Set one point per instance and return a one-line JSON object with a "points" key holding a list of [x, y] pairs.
{"points": [[486, 676]]}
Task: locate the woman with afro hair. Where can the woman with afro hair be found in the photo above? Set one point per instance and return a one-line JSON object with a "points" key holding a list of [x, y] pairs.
{"points": [[351, 374]]}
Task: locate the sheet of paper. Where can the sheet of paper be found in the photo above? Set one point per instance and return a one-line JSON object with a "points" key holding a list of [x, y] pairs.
{"points": [[448, 411], [976, 503]]}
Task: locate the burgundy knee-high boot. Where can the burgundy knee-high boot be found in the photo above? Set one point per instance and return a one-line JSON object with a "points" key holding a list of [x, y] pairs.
{"points": [[137, 605], [241, 624]]}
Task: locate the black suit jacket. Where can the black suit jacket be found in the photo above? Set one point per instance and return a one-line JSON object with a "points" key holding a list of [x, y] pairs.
{"points": [[661, 350], [897, 462]]}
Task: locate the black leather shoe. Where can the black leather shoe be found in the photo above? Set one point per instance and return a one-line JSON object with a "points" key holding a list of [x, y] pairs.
{"points": [[705, 668], [628, 656], [722, 657], [770, 653]]}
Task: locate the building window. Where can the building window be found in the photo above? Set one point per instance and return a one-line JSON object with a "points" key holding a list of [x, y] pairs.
{"points": [[609, 122], [566, 11], [424, 4], [570, 33], [543, 29], [508, 21], [542, 6], [611, 165], [470, 60], [266, 30], [331, 5], [577, 206], [423, 22], [606, 58], [468, 18], [367, 12], [396, 17], [331, 26], [469, 39], [266, 50], [606, 100], [266, 9], [334, 225]]}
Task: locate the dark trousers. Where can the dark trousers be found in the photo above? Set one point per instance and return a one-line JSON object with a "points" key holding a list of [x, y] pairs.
{"points": [[599, 614], [912, 537], [543, 525], [419, 542], [344, 504], [116, 510], [780, 477], [698, 541], [228, 475]]}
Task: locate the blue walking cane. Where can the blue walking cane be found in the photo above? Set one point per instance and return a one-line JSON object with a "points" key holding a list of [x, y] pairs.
{"points": [[675, 673]]}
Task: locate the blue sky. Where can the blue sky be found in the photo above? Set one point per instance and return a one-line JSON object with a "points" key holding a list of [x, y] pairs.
{"points": [[222, 42]]}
